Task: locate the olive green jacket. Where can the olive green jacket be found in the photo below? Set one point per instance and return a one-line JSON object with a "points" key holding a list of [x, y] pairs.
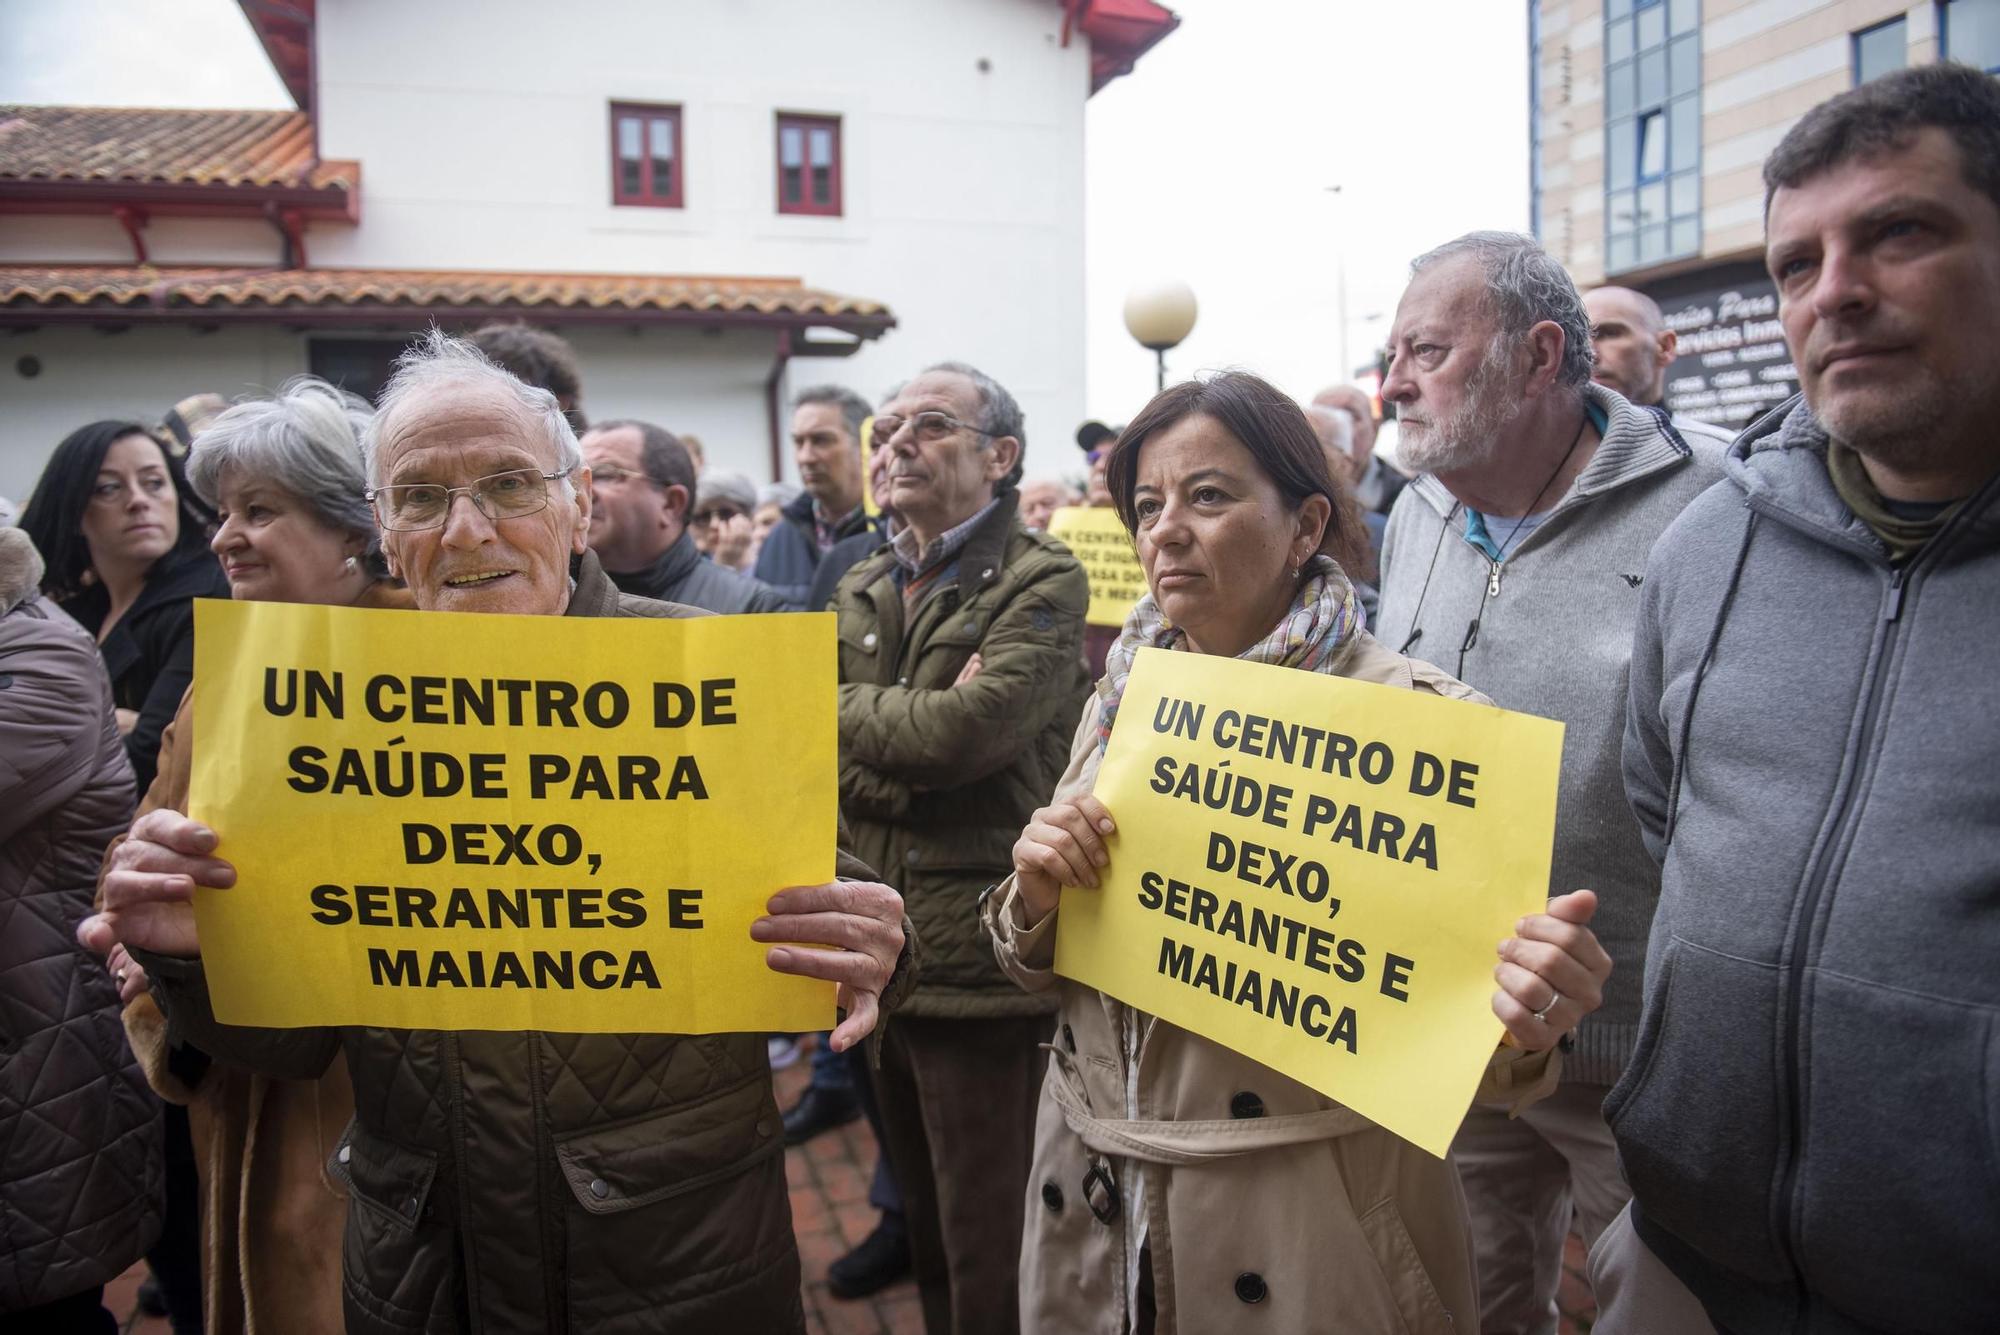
{"points": [[937, 780]]}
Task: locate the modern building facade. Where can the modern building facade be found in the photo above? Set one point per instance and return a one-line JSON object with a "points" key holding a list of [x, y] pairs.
{"points": [[1650, 122], [716, 201]]}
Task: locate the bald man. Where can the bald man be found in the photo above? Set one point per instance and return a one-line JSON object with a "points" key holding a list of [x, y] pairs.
{"points": [[1634, 347], [1375, 483]]}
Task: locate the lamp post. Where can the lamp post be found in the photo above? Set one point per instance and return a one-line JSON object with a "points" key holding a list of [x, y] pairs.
{"points": [[1160, 314], [1340, 269]]}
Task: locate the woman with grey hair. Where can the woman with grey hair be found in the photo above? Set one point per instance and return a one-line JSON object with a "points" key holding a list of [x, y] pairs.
{"points": [[285, 477]]}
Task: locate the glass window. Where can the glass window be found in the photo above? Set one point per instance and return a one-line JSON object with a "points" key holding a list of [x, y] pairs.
{"points": [[1684, 132], [1652, 26], [1652, 244], [1880, 49], [1622, 211], [1618, 90], [1622, 156], [1683, 15], [1686, 236], [1619, 254], [1652, 146], [1653, 78], [809, 165], [1684, 62], [1971, 31], [1617, 8], [645, 148], [1686, 195], [1618, 40], [1653, 203]]}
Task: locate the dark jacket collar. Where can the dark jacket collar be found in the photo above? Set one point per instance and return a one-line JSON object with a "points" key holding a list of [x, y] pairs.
{"points": [[594, 595], [985, 552], [665, 574]]}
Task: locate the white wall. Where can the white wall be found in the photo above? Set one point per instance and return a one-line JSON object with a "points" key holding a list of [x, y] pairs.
{"points": [[684, 380], [87, 376], [484, 137]]}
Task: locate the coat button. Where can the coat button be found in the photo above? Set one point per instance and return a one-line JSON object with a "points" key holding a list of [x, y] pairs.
{"points": [[1052, 1197], [1250, 1287], [986, 573], [913, 857], [868, 640], [346, 1153], [600, 1189], [415, 1206], [972, 628], [1246, 1104]]}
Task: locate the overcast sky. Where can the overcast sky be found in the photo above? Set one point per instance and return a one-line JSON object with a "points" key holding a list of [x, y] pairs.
{"points": [[1211, 163]]}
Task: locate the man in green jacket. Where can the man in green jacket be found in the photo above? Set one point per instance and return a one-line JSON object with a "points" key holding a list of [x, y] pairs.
{"points": [[961, 681], [524, 1182]]}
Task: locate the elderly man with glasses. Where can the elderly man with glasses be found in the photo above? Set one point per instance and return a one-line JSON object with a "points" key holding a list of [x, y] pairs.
{"points": [[960, 683], [642, 488], [469, 1211]]}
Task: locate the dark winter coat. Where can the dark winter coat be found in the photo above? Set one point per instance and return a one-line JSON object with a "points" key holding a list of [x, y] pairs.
{"points": [[937, 780], [80, 1162], [150, 652], [791, 553], [538, 1183], [1811, 1119], [682, 576]]}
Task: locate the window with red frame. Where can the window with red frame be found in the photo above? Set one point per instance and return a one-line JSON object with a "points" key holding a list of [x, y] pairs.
{"points": [[646, 165], [809, 165]]}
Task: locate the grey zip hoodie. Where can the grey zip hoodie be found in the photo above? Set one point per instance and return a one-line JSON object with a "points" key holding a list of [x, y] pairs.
{"points": [[1555, 631], [1811, 1121]]}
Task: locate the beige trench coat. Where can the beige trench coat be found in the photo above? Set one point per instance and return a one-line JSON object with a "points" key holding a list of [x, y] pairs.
{"points": [[1266, 1205]]}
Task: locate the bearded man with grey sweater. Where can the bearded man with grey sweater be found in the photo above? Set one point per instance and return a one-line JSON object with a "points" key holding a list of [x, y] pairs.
{"points": [[1514, 561]]}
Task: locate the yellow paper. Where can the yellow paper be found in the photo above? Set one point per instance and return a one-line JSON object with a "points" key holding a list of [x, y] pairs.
{"points": [[1100, 542], [870, 506], [1336, 917], [639, 830]]}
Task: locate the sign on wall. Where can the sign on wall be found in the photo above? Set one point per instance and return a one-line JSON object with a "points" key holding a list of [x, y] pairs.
{"points": [[1733, 363]]}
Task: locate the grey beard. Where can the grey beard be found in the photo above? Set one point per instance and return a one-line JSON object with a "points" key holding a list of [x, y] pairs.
{"points": [[1469, 436]]}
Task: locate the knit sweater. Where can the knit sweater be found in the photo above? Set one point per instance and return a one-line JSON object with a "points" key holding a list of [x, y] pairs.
{"points": [[1554, 637]]}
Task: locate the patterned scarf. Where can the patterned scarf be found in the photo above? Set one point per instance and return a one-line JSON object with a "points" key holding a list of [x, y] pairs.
{"points": [[1322, 620]]}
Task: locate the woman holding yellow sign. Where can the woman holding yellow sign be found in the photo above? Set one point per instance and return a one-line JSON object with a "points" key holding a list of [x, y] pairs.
{"points": [[1175, 1180]]}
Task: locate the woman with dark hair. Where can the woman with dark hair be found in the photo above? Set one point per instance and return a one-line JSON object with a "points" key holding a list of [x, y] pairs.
{"points": [[1219, 1182], [285, 475], [126, 547]]}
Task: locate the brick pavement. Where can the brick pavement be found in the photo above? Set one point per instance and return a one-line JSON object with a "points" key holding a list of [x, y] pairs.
{"points": [[830, 1210]]}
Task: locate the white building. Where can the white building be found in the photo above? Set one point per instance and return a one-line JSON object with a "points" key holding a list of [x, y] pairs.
{"points": [[716, 201]]}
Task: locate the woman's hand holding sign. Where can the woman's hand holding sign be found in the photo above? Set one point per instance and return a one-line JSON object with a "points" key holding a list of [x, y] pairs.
{"points": [[863, 923], [1551, 972], [149, 886], [1063, 845]]}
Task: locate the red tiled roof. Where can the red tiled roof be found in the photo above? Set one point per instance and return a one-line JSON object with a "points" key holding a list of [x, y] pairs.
{"points": [[153, 146], [197, 293]]}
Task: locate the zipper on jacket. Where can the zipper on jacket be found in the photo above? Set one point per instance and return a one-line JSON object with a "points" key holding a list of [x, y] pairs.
{"points": [[1788, 1185], [1493, 582]]}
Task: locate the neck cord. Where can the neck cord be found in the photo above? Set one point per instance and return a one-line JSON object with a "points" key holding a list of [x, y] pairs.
{"points": [[1560, 463]]}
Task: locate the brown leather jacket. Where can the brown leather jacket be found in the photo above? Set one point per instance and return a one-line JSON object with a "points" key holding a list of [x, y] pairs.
{"points": [[546, 1183]]}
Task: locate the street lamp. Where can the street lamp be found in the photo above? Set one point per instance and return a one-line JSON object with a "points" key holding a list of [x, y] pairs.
{"points": [[1160, 314]]}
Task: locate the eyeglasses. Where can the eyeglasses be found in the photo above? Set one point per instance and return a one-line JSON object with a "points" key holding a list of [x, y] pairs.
{"points": [[927, 427], [612, 473], [421, 505], [724, 513]]}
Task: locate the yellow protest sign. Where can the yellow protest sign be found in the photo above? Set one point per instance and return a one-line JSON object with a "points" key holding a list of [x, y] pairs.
{"points": [[1314, 872], [1100, 542], [463, 821]]}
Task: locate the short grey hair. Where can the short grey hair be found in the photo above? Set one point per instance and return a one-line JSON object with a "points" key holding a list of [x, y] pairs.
{"points": [[854, 410], [436, 360], [304, 440], [1334, 425], [999, 414], [1525, 286]]}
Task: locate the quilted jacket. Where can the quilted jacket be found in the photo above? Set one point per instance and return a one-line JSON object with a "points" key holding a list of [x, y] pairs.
{"points": [[79, 1131], [539, 1183], [937, 780]]}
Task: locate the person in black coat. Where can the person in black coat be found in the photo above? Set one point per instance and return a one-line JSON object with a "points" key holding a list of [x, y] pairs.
{"points": [[127, 549]]}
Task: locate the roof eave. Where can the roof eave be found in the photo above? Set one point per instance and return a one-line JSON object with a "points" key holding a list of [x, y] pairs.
{"points": [[141, 309], [321, 203]]}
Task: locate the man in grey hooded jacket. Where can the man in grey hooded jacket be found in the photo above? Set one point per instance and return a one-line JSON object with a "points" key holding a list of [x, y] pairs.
{"points": [[1811, 1122], [1513, 561]]}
